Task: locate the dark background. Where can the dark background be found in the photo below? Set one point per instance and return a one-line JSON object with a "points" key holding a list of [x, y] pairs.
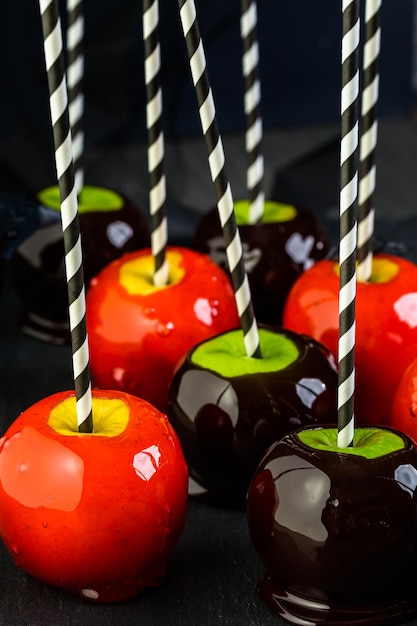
{"points": [[300, 74]]}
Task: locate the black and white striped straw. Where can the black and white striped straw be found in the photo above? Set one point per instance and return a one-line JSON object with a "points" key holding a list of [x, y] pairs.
{"points": [[216, 160], [156, 145], [349, 160], [58, 100], [75, 75], [368, 138], [254, 131]]}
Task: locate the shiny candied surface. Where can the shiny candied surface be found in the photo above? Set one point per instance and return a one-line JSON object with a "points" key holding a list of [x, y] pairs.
{"points": [[225, 424], [337, 533], [404, 405], [38, 269], [275, 252], [136, 340], [386, 328], [95, 515]]}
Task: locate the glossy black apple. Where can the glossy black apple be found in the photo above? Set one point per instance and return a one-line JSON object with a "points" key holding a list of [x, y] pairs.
{"points": [[276, 251], [227, 408], [336, 528], [110, 225]]}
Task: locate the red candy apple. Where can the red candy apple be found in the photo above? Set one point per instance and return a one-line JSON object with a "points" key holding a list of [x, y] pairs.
{"points": [[138, 332], [386, 325], [94, 514], [404, 405]]}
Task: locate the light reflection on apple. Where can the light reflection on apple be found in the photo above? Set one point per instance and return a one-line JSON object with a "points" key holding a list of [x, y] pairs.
{"points": [[386, 325], [229, 409]]}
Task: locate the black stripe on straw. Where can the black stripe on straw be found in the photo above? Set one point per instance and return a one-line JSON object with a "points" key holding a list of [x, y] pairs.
{"points": [[348, 204], [156, 144], [252, 107], [75, 73], [71, 233], [367, 166], [215, 155]]}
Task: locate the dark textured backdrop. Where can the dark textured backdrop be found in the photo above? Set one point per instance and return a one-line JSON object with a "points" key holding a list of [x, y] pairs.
{"points": [[300, 72]]}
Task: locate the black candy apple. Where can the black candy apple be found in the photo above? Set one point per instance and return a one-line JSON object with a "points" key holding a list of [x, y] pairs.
{"points": [[110, 224], [276, 251], [336, 528], [228, 408]]}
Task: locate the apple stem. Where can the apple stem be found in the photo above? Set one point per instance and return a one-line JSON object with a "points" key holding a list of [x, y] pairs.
{"points": [[252, 99], [216, 159]]}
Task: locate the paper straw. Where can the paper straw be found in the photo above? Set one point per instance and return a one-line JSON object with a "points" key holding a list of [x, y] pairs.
{"points": [[156, 146], [216, 160], [75, 74], [58, 100], [253, 136], [368, 141], [349, 158]]}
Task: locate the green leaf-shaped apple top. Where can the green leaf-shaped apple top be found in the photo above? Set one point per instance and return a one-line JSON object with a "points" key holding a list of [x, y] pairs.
{"points": [[225, 354], [92, 199], [273, 212], [370, 443]]}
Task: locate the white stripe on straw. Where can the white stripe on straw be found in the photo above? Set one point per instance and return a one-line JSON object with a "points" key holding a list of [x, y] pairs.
{"points": [[349, 156], [58, 101], [368, 142], [75, 75], [156, 146], [254, 132], [216, 161]]}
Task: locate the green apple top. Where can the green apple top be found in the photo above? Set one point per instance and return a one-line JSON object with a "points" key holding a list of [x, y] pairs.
{"points": [[225, 354], [273, 212], [91, 199], [370, 443]]}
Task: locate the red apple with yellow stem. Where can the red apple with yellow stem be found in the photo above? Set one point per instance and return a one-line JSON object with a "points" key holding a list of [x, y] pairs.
{"points": [[386, 325], [138, 332], [404, 404], [94, 514]]}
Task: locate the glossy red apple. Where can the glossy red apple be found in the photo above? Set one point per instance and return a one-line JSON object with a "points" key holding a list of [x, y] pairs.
{"points": [[94, 514], [138, 332], [276, 251], [386, 325], [404, 404], [110, 224]]}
